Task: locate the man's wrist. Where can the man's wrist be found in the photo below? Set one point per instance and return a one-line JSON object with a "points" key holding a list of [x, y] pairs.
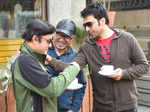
{"points": [[76, 64], [48, 59]]}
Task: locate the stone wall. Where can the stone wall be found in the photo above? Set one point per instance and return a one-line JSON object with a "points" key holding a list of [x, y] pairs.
{"points": [[132, 18]]}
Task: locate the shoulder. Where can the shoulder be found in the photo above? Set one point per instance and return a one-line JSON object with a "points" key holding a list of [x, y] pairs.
{"points": [[26, 60], [84, 45], [128, 39], [122, 33], [87, 46], [127, 35], [24, 57]]}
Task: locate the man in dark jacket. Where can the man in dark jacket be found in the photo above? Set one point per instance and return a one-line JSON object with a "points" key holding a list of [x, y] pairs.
{"points": [[35, 89], [69, 101], [113, 91]]}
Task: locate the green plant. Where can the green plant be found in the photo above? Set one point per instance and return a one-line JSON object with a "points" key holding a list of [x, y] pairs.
{"points": [[6, 74], [81, 35], [5, 78], [86, 71]]}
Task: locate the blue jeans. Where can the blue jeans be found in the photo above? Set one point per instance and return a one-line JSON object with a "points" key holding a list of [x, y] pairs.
{"points": [[103, 110]]}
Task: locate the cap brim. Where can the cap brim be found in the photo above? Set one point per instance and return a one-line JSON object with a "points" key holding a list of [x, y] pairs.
{"points": [[65, 32]]}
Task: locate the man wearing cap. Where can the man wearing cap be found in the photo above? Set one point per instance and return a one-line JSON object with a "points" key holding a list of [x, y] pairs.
{"points": [[35, 89], [69, 101]]}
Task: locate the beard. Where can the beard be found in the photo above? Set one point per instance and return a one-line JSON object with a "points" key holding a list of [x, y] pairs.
{"points": [[95, 35]]}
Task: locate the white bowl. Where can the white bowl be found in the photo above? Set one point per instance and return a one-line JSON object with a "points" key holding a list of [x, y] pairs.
{"points": [[74, 85], [106, 70]]}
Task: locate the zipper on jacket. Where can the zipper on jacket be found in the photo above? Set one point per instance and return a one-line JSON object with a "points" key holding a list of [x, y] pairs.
{"points": [[98, 50]]}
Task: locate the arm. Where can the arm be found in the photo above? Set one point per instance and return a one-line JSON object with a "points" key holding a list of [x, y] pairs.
{"points": [[81, 58], [78, 95], [140, 64], [61, 82], [58, 65], [39, 81]]}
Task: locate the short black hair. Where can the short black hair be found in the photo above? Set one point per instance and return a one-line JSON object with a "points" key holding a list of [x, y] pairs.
{"points": [[97, 10], [37, 27]]}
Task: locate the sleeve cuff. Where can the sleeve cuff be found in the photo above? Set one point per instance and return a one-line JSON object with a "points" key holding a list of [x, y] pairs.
{"points": [[124, 73], [76, 64]]}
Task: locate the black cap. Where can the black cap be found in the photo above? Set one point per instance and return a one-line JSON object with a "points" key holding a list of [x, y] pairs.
{"points": [[39, 27], [66, 26]]}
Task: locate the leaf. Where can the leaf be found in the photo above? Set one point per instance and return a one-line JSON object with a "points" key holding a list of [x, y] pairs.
{"points": [[81, 35], [86, 70], [5, 78]]}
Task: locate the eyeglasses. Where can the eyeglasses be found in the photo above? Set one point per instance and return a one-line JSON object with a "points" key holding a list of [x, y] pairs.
{"points": [[48, 40], [88, 24], [63, 36]]}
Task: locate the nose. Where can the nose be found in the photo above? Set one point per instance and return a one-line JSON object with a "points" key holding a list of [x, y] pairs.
{"points": [[62, 40], [87, 28], [50, 45]]}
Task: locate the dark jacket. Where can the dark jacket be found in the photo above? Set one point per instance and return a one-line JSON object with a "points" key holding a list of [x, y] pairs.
{"points": [[125, 54], [71, 100], [33, 85]]}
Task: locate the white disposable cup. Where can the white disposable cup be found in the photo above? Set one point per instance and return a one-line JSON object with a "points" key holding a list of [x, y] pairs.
{"points": [[106, 68]]}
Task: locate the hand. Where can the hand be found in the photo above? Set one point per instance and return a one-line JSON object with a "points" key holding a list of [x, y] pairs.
{"points": [[48, 59], [67, 90], [117, 75], [70, 111]]}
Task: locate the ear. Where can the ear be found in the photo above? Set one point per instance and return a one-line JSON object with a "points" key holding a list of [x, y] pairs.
{"points": [[102, 21], [35, 39]]}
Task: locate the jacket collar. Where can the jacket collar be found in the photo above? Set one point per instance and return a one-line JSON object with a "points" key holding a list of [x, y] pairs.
{"points": [[68, 50], [27, 49], [92, 41]]}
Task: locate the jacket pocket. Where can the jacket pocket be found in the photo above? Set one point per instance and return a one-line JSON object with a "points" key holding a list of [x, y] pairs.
{"points": [[126, 90], [102, 90]]}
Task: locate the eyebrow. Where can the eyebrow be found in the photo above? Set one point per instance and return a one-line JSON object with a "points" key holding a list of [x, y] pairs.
{"points": [[87, 22]]}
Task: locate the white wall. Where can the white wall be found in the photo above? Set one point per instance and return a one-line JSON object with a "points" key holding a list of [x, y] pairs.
{"points": [[61, 9], [77, 7], [58, 9]]}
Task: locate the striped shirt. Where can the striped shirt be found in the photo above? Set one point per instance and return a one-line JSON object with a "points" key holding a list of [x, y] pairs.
{"points": [[105, 47]]}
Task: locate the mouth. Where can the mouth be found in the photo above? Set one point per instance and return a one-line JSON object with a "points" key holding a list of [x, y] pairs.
{"points": [[60, 45]]}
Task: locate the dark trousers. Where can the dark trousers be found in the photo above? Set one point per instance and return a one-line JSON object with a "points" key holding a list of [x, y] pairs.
{"points": [[103, 110]]}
